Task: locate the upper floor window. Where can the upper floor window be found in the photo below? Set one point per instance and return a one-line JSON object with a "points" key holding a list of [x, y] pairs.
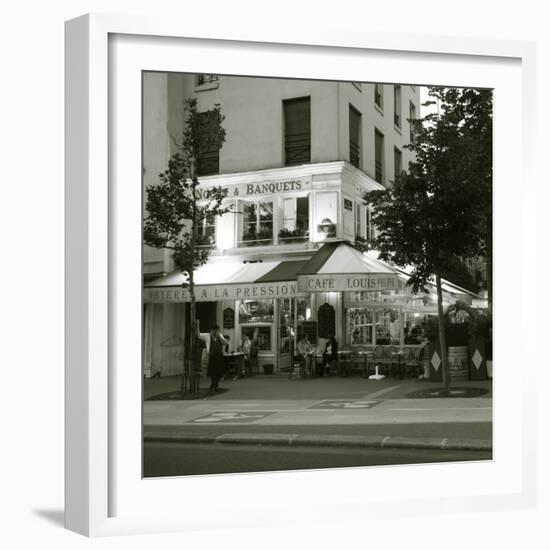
{"points": [[297, 120], [358, 222], [326, 215], [206, 231], [354, 136], [295, 221], [379, 95], [369, 228], [397, 162], [412, 116], [209, 162], [397, 105], [257, 223], [378, 156], [206, 79]]}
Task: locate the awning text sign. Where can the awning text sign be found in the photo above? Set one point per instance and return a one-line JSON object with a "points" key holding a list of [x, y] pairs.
{"points": [[213, 293], [273, 187], [347, 283]]}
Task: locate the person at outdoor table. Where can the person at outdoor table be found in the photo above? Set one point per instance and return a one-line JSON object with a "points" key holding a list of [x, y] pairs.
{"points": [[215, 357], [305, 349], [330, 356], [247, 347]]}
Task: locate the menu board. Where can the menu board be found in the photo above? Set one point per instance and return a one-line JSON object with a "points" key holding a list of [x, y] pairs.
{"points": [[228, 318], [327, 321], [310, 329]]}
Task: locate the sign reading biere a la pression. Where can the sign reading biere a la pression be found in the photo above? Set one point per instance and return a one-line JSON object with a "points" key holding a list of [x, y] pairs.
{"points": [[213, 293]]}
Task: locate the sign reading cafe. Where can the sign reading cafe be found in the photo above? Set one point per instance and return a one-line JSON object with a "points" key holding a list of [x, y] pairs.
{"points": [[260, 188], [345, 283]]}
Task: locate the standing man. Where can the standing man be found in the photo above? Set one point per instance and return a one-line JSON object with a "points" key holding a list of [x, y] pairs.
{"points": [[215, 357], [305, 350]]}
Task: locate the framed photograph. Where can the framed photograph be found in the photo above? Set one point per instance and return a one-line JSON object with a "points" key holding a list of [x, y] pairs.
{"points": [[290, 368]]}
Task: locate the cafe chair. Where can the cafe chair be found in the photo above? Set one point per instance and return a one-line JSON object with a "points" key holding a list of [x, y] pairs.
{"points": [[344, 363], [377, 357], [414, 362], [388, 360]]}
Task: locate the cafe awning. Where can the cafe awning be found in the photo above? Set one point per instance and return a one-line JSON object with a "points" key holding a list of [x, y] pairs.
{"points": [[228, 281], [339, 267]]}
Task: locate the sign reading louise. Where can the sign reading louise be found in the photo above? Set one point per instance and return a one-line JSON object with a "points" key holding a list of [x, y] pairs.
{"points": [[347, 283]]}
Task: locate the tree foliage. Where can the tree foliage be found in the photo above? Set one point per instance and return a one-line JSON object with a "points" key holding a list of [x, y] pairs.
{"points": [[175, 207], [439, 212]]}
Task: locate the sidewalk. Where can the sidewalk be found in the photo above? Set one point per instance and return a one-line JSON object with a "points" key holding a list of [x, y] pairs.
{"points": [[350, 412]]}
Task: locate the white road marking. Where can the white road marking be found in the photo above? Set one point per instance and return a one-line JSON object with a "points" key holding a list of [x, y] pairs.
{"points": [[380, 392]]}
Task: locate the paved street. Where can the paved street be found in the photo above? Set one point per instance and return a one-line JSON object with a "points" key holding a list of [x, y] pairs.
{"points": [[169, 459], [272, 423]]}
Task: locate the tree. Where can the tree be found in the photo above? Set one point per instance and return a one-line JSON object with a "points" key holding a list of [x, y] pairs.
{"points": [[440, 211], [177, 212]]}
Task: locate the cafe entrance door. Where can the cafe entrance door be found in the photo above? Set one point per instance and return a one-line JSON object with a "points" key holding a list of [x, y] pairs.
{"points": [[285, 333]]}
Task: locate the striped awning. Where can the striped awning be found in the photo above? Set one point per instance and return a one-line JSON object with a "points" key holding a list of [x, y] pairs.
{"points": [[228, 281], [339, 267]]}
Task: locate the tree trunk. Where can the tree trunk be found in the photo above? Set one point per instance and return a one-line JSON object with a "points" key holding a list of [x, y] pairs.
{"points": [[442, 339]]}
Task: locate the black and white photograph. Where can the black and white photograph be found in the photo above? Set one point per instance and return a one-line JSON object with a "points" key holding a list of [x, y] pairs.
{"points": [[317, 274]]}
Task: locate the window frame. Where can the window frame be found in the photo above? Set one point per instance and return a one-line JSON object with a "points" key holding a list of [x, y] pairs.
{"points": [[358, 151], [378, 133], [296, 146], [397, 111]]}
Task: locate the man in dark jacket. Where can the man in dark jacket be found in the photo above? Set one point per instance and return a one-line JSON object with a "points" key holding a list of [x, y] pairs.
{"points": [[215, 357]]}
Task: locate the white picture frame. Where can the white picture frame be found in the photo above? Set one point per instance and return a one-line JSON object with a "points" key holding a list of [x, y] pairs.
{"points": [[104, 493]]}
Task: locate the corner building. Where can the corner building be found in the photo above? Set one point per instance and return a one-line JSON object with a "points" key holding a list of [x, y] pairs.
{"points": [[299, 155]]}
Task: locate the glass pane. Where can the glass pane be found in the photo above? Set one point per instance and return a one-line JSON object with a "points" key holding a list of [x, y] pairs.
{"points": [[361, 327], [326, 215], [387, 326], [260, 335], [255, 311]]}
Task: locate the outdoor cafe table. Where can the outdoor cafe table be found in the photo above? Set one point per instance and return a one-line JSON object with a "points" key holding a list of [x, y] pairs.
{"points": [[235, 360], [365, 355], [398, 355]]}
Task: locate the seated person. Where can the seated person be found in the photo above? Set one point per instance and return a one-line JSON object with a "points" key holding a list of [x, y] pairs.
{"points": [[331, 354], [305, 349]]}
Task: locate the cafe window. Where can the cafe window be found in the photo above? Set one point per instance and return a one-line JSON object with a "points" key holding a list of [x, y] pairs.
{"points": [[292, 313], [379, 95], [206, 231], [295, 220], [397, 105], [255, 311], [379, 156], [297, 120], [361, 326], [257, 223], [387, 326], [209, 160], [261, 336], [354, 136], [326, 215]]}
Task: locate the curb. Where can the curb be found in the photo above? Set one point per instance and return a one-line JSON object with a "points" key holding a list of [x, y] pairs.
{"points": [[309, 440]]}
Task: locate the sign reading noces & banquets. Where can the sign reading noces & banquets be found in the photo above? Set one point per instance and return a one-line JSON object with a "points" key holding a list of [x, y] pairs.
{"points": [[274, 187]]}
